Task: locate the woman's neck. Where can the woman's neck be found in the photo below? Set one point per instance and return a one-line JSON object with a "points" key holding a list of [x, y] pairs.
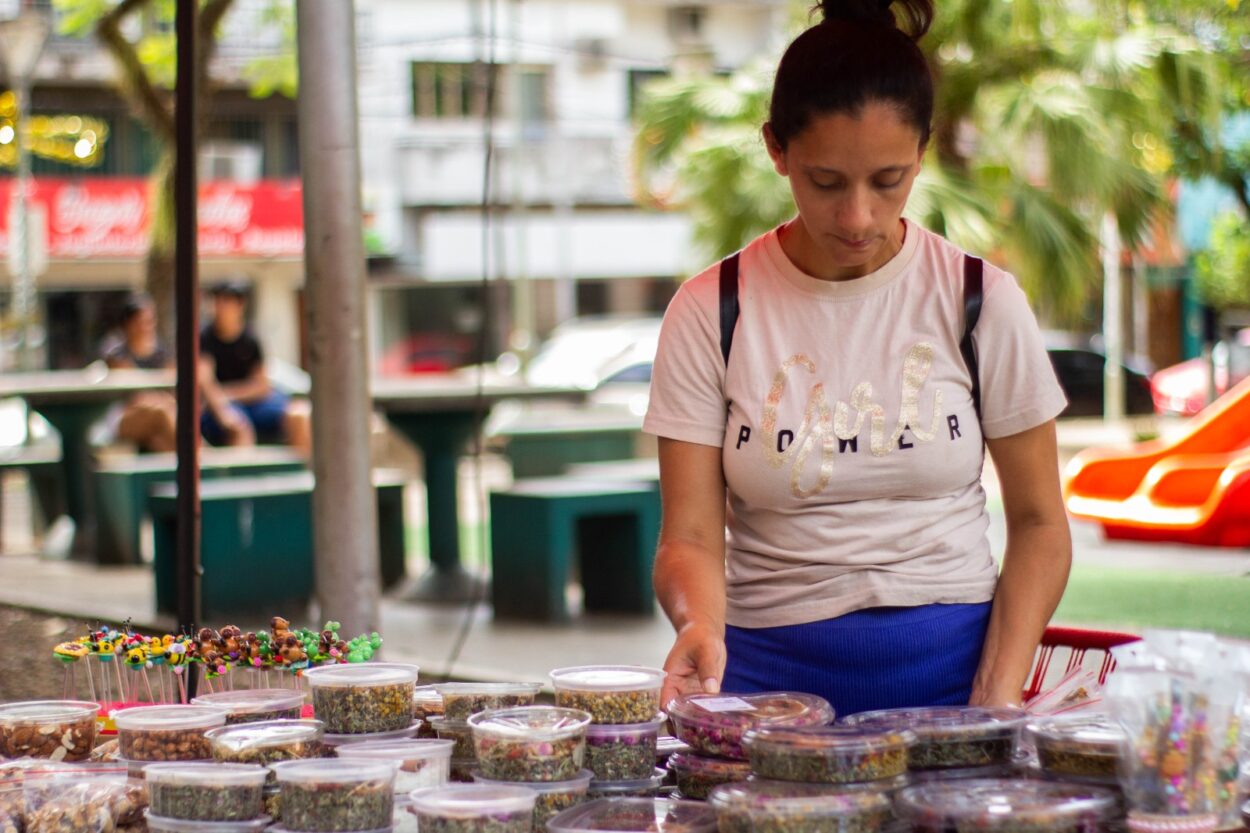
{"points": [[803, 252]]}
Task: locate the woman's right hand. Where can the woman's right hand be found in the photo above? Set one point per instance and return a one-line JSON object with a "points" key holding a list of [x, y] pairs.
{"points": [[696, 663]]}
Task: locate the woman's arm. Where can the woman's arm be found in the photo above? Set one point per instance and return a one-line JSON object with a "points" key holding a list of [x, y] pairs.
{"points": [[1035, 565], [690, 565]]}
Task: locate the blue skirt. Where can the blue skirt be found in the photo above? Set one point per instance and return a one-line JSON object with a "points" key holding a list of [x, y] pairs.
{"points": [[879, 658]]}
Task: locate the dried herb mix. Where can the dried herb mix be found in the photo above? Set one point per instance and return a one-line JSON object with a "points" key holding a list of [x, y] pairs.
{"points": [[531, 760], [612, 707], [621, 753], [335, 807], [697, 776], [352, 710], [512, 822], [828, 754], [791, 807], [205, 802]]}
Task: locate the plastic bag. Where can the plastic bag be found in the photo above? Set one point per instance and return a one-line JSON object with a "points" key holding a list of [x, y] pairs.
{"points": [[1078, 691]]}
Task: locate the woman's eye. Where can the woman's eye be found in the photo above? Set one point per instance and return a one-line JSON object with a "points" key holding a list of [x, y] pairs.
{"points": [[826, 186], [893, 182]]}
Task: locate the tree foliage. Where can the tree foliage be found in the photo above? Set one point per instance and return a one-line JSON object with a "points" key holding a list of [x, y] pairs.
{"points": [[1223, 270]]}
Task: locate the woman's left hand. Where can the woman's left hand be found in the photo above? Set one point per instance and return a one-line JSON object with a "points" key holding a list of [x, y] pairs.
{"points": [[994, 699]]}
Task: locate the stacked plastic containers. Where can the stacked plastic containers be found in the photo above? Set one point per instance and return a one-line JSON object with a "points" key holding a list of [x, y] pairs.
{"points": [[255, 705], [474, 808], [1005, 806], [152, 734], [266, 743], [460, 701], [1080, 749], [952, 742], [789, 806], [540, 748], [419, 764], [715, 725], [206, 798], [623, 702], [365, 701], [337, 796], [636, 815]]}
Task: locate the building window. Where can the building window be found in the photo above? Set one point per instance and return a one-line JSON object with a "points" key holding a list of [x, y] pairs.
{"points": [[446, 90], [638, 80]]}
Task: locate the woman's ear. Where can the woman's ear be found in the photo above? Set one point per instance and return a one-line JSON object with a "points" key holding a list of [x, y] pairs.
{"points": [[775, 151]]}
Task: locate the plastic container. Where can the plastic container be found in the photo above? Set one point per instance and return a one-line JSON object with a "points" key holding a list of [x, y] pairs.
{"points": [[426, 703], [206, 792], [554, 797], [698, 775], [267, 742], [1005, 807], [1084, 747], [623, 752], [363, 698], [166, 733], [332, 796], [636, 815], [952, 737], [273, 801], [474, 808], [713, 724], [828, 754], [666, 746], [57, 730], [640, 788], [277, 828], [370, 737], [463, 700], [255, 705], [418, 763], [612, 694], [461, 732], [534, 743], [793, 807], [165, 824]]}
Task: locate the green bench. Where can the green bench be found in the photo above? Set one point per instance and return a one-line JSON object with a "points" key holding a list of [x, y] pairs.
{"points": [[543, 529], [122, 484], [546, 450], [635, 470], [256, 541], [42, 464]]}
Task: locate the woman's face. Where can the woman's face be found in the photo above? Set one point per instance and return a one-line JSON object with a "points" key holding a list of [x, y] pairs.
{"points": [[850, 175]]}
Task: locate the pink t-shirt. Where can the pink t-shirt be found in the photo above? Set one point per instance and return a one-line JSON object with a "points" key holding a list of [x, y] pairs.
{"points": [[851, 447]]}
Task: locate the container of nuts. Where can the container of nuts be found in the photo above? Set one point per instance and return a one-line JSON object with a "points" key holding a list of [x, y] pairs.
{"points": [[159, 824], [58, 730], [1082, 747], [1004, 806], [951, 736], [474, 808], [166, 733], [267, 742], [793, 807], [206, 791], [554, 797], [636, 815], [622, 752], [828, 754], [330, 796], [713, 724], [533, 743], [463, 700], [363, 698], [418, 763], [698, 775], [612, 694], [255, 705]]}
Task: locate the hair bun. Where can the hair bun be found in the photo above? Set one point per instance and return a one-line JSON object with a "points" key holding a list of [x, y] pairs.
{"points": [[912, 17]]}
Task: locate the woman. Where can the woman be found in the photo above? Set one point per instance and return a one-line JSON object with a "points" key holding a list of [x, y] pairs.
{"points": [[148, 419], [842, 427]]}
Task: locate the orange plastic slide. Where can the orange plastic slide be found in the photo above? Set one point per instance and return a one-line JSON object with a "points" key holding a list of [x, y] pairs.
{"points": [[1194, 489]]}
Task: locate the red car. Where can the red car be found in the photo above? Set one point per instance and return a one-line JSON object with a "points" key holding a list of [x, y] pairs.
{"points": [[1182, 388]]}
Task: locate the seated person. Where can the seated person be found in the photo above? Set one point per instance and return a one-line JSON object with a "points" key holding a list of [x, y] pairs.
{"points": [[146, 419], [240, 405]]}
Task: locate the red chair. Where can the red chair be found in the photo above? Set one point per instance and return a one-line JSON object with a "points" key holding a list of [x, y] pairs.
{"points": [[1080, 642]]}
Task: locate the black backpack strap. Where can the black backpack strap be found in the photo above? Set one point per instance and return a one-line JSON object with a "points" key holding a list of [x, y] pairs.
{"points": [[973, 268], [728, 303]]}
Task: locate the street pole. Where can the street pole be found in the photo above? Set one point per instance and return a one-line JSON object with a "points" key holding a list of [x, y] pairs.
{"points": [[345, 532], [24, 290], [1112, 321]]}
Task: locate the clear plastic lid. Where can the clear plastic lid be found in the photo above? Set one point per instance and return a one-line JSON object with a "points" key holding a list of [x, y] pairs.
{"points": [[168, 718], [606, 732], [530, 723], [333, 771], [636, 815], [471, 801], [1092, 734], [572, 785], [657, 779], [688, 762], [47, 711], [208, 774], [792, 798], [825, 740], [427, 696], [277, 828], [991, 803], [397, 734], [184, 826], [487, 689], [361, 674], [397, 750], [944, 722], [669, 745], [774, 708], [608, 678], [963, 773], [266, 733], [253, 700]]}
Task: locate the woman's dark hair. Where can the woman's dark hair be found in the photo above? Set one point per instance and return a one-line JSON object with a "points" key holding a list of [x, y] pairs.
{"points": [[857, 54]]}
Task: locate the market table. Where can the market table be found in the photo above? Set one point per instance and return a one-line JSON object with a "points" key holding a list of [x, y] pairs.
{"points": [[439, 413], [72, 401]]}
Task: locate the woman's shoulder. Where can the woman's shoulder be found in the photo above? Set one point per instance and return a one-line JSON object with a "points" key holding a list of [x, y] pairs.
{"points": [[945, 260]]}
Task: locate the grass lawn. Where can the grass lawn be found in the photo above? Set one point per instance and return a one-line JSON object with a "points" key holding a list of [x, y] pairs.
{"points": [[1134, 599]]}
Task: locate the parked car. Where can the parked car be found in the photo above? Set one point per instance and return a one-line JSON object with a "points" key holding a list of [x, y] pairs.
{"points": [[425, 353], [1079, 363], [1183, 388]]}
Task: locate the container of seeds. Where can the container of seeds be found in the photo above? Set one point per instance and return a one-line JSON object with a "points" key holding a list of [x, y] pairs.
{"points": [[713, 724], [636, 815], [418, 763], [267, 742], [794, 807], [533, 743], [640, 788], [164, 824], [335, 741], [331, 796], [1005, 807], [463, 700], [255, 705], [612, 694], [58, 730], [698, 775], [474, 808], [554, 797], [1085, 747], [623, 752], [206, 791], [828, 754], [951, 736], [166, 733], [363, 698]]}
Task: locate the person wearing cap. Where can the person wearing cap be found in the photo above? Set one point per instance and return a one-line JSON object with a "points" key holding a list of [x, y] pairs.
{"points": [[147, 419]]}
